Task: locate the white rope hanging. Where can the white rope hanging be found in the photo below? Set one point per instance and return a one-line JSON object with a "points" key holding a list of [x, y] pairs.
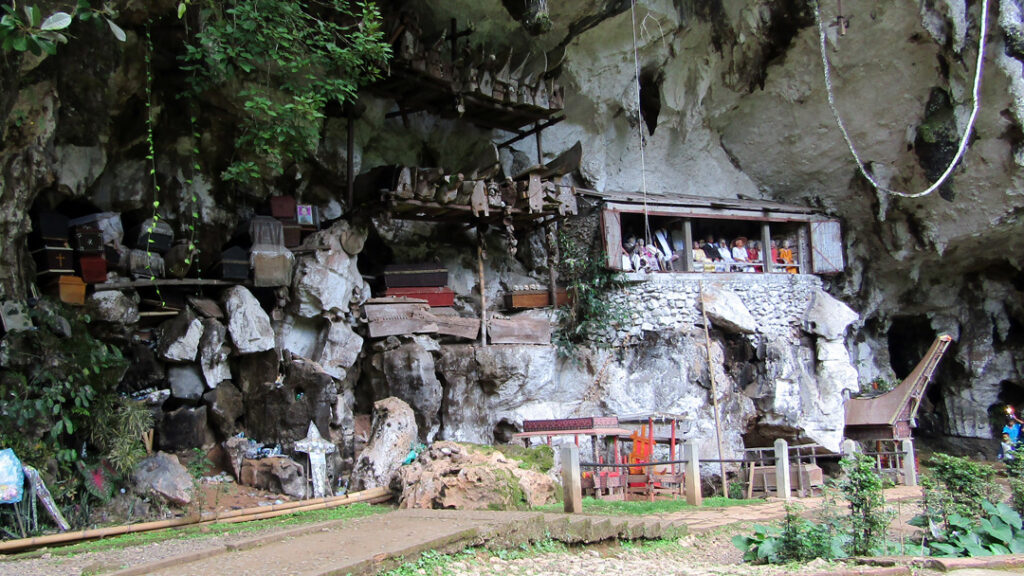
{"points": [[975, 106], [640, 125]]}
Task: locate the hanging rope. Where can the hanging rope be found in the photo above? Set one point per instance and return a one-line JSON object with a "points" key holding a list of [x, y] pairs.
{"points": [[975, 106], [640, 125]]}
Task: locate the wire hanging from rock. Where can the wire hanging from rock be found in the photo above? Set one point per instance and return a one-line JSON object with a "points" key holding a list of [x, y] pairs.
{"points": [[961, 149], [640, 124]]}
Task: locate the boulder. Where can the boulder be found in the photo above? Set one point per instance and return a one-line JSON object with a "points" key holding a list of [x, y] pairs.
{"points": [[213, 353], [163, 475], [827, 317], [183, 429], [391, 438], [236, 448], [407, 372], [339, 349], [301, 336], [225, 408], [248, 323], [277, 474], [727, 312], [144, 369], [449, 475], [179, 337], [327, 280], [257, 371], [279, 412], [114, 306], [186, 382]]}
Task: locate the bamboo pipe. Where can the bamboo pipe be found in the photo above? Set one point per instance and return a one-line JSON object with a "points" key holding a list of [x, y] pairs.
{"points": [[714, 392], [255, 513]]}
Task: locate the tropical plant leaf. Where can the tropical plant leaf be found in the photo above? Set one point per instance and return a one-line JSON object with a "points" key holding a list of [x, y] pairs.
{"points": [[118, 32], [56, 21]]}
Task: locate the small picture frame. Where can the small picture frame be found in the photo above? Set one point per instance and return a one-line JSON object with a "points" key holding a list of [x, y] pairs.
{"points": [[304, 215], [14, 316]]}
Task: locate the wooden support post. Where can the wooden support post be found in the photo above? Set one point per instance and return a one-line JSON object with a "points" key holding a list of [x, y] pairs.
{"points": [[688, 265], [766, 247], [782, 487], [693, 493], [803, 243], [672, 444], [572, 488], [483, 290], [909, 463]]}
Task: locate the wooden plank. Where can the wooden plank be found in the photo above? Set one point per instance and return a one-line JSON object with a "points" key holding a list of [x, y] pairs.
{"points": [[519, 331], [611, 231], [826, 247], [688, 249], [377, 312], [400, 326], [206, 307], [468, 328]]}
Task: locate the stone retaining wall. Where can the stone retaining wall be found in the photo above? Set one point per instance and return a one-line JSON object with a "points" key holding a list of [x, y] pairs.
{"points": [[656, 302]]}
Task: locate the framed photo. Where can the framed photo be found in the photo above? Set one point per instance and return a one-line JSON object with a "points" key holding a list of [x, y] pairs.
{"points": [[304, 214]]}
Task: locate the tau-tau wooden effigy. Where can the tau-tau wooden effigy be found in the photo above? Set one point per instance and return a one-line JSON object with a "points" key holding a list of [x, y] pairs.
{"points": [[892, 415]]}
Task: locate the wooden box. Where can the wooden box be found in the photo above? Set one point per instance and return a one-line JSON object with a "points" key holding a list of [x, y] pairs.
{"points": [[435, 296], [54, 260], [271, 269], [521, 299], [415, 275], [292, 234], [282, 207], [144, 264], [234, 263], [71, 290], [92, 268], [267, 231], [585, 423], [88, 239], [158, 241], [519, 331]]}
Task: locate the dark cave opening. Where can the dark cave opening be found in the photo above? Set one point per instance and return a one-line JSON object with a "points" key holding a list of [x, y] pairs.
{"points": [[909, 338], [503, 432], [650, 81], [1011, 394]]}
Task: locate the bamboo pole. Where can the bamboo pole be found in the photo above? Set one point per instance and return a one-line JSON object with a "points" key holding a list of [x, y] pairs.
{"points": [[483, 292], [714, 391], [255, 513]]}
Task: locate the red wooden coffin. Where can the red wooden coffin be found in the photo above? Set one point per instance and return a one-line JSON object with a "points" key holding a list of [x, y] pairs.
{"points": [[292, 234], [92, 269], [435, 296], [282, 207], [415, 275]]}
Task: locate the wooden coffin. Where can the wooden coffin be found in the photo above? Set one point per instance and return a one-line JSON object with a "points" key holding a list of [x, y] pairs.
{"points": [[418, 275], [292, 234], [271, 267], [51, 227], [54, 260], [449, 323], [71, 290], [282, 207], [519, 331], [158, 240], [523, 299], [92, 268], [88, 239], [234, 264], [398, 316], [435, 296], [144, 264], [585, 423], [266, 230]]}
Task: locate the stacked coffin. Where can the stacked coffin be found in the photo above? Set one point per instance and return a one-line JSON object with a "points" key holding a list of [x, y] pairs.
{"points": [[152, 239], [55, 263], [296, 219], [270, 260], [422, 281]]}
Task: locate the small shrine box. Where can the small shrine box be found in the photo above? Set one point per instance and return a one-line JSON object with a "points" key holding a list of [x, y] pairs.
{"points": [[417, 275], [522, 299], [92, 269], [292, 234], [54, 260], [51, 227], [234, 263], [435, 296], [88, 239], [71, 290], [158, 241], [282, 207], [272, 268]]}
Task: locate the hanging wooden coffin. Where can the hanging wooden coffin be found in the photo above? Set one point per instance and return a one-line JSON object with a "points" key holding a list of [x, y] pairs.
{"points": [[292, 234], [519, 331], [271, 266], [92, 268], [449, 323], [420, 275], [71, 290], [282, 207], [435, 296], [144, 264], [522, 299], [108, 223], [88, 239], [54, 260], [156, 240], [234, 264]]}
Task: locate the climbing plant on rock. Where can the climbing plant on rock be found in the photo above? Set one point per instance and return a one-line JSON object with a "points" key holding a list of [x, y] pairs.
{"points": [[283, 62]]}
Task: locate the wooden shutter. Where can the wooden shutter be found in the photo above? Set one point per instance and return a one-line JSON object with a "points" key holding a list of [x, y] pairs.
{"points": [[826, 247], [611, 230]]}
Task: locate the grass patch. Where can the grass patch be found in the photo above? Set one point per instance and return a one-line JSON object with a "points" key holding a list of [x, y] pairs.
{"points": [[352, 511], [434, 562], [644, 508], [649, 545], [538, 458]]}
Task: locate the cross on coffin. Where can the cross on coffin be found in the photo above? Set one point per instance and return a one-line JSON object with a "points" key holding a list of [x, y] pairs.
{"points": [[317, 448]]}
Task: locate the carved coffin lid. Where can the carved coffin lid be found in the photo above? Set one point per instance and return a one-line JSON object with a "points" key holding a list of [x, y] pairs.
{"points": [[266, 230]]}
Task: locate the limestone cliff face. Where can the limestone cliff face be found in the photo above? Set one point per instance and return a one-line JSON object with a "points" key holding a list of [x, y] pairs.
{"points": [[732, 104]]}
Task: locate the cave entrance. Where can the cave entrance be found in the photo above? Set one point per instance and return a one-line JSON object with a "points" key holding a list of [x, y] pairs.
{"points": [[909, 339], [1011, 394]]}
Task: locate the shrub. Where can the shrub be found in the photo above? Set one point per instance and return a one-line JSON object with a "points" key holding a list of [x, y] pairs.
{"points": [[965, 485], [862, 488]]}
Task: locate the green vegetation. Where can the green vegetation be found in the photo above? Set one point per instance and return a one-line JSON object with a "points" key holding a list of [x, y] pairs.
{"points": [[643, 508], [26, 30], [225, 529], [284, 62], [536, 458], [862, 488], [436, 563], [588, 282], [999, 531]]}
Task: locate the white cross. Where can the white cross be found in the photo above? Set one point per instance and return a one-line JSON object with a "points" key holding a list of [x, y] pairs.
{"points": [[317, 448]]}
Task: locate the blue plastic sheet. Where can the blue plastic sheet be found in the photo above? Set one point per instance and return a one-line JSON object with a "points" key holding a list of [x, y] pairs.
{"points": [[12, 478]]}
